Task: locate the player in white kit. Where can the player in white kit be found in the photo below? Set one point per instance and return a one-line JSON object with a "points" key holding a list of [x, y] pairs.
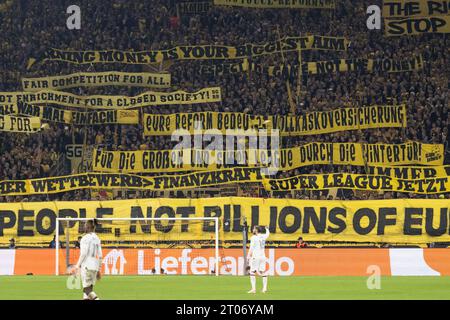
{"points": [[257, 257], [90, 260]]}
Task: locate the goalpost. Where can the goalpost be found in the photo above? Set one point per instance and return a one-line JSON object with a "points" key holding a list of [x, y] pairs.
{"points": [[146, 245]]}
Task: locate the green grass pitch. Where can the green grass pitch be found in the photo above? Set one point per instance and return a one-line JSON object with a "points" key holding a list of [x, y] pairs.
{"points": [[226, 287]]}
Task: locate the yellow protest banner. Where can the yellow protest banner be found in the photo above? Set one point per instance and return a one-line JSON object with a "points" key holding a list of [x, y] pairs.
{"points": [[19, 124], [403, 17], [415, 26], [410, 221], [415, 8], [314, 153], [128, 181], [320, 122], [195, 52], [360, 65], [105, 117], [314, 182], [149, 98], [358, 182], [279, 4], [409, 172], [97, 79], [59, 115]]}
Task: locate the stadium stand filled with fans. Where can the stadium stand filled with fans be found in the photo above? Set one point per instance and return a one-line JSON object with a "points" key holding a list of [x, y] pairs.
{"points": [[29, 28]]}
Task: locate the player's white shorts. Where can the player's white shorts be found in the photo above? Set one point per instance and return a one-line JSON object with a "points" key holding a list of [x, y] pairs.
{"points": [[258, 264], [88, 277]]}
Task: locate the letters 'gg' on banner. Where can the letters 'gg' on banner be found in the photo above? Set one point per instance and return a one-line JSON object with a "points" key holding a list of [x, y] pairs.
{"points": [[19, 124], [98, 79], [279, 4], [53, 114], [145, 99], [410, 221], [320, 122], [314, 153], [195, 52]]}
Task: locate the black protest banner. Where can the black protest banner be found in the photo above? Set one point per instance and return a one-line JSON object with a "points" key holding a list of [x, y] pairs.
{"points": [[193, 7]]}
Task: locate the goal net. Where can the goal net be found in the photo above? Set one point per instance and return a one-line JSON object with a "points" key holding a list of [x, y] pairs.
{"points": [[144, 246]]}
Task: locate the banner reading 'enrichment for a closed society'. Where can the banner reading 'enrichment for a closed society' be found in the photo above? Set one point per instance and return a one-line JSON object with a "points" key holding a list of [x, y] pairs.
{"points": [[279, 4], [195, 52], [97, 79], [314, 153], [149, 98], [386, 221], [341, 119]]}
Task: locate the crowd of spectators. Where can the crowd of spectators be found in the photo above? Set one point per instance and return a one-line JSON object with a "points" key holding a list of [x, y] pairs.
{"points": [[30, 27]]}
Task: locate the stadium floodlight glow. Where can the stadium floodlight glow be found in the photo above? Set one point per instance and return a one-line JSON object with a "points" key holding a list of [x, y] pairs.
{"points": [[135, 233]]}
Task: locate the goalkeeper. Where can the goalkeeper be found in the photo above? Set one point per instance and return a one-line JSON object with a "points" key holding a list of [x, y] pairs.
{"points": [[90, 260], [257, 257]]}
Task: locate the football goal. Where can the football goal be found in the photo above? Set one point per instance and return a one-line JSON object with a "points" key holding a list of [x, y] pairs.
{"points": [[144, 246]]}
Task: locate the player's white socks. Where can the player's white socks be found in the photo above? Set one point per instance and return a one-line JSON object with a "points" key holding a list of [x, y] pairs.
{"points": [[253, 282], [264, 284], [93, 296]]}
